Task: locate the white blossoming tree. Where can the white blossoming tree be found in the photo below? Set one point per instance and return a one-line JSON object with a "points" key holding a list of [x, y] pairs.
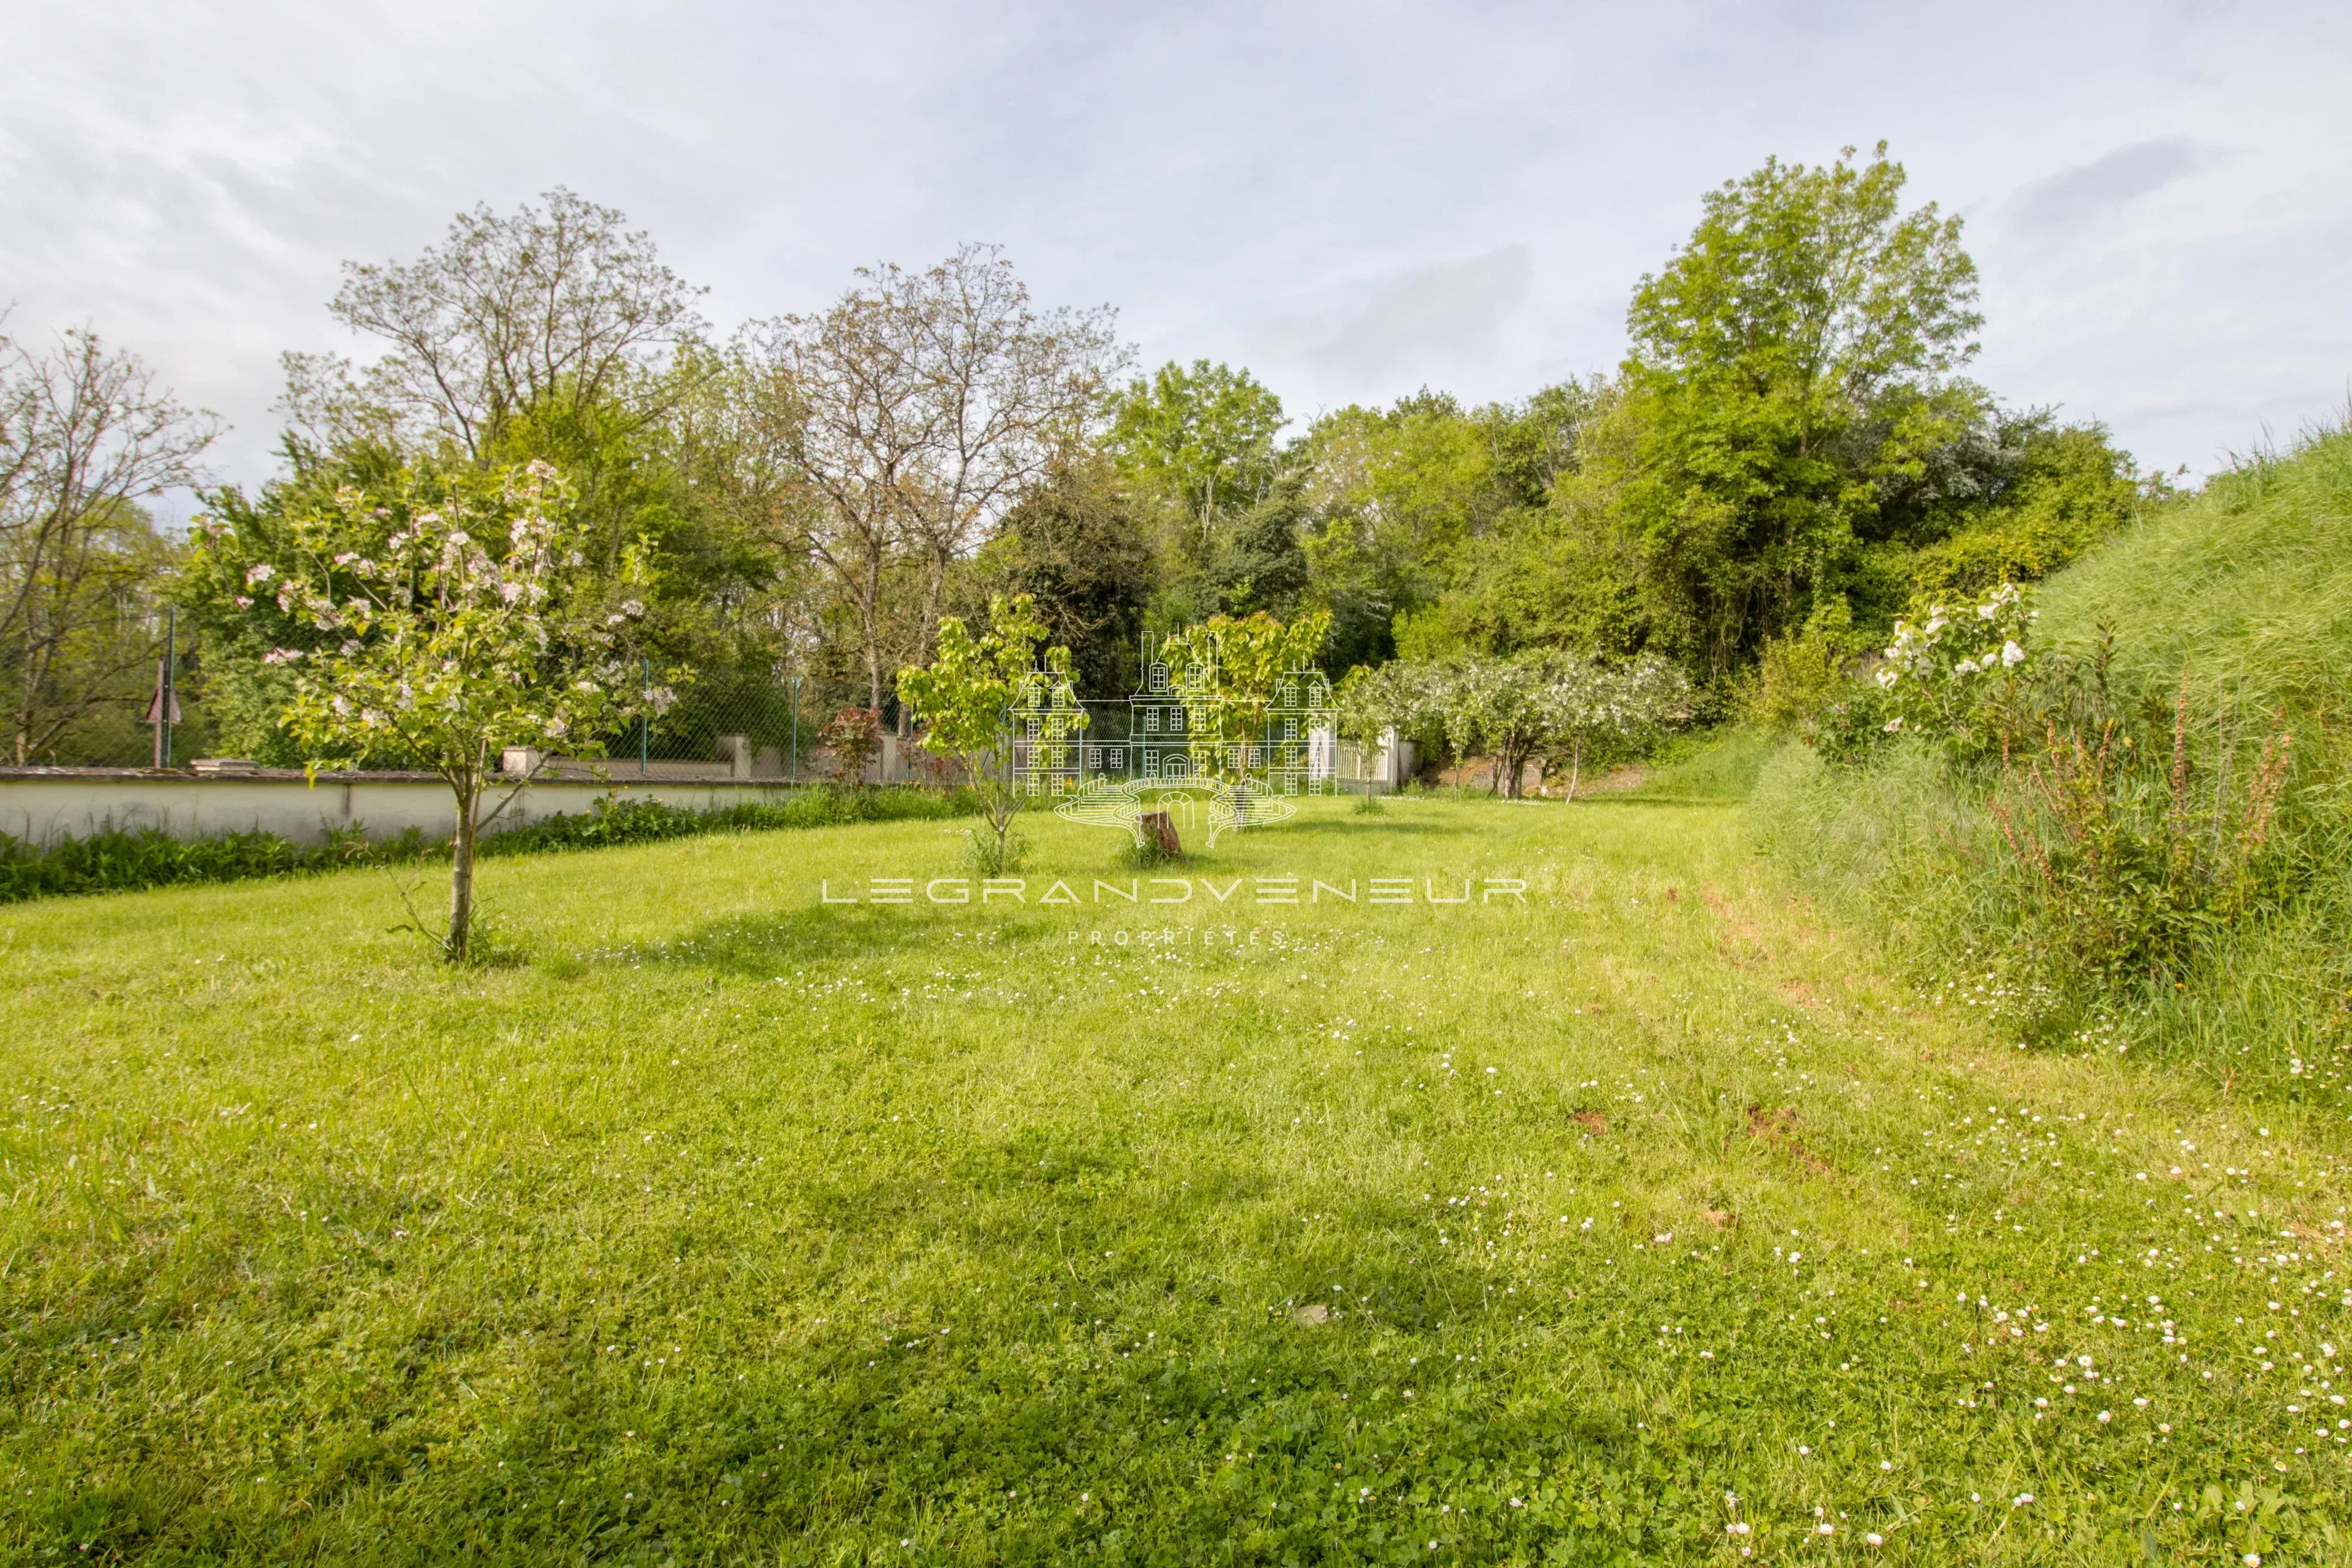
{"points": [[1598, 711], [1952, 675], [441, 626], [1546, 705]]}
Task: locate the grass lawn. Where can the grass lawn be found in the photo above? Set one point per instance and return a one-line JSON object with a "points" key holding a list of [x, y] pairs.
{"points": [[1649, 1219]]}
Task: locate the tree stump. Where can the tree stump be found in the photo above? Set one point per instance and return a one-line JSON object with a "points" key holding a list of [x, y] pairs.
{"points": [[1160, 828]]}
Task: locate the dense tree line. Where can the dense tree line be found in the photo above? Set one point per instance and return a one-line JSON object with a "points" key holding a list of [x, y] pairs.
{"points": [[1790, 450]]}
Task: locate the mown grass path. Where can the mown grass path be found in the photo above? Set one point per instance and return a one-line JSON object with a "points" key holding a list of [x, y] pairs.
{"points": [[1646, 1221]]}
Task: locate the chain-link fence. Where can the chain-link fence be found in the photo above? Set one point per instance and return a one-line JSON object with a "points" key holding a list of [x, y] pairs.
{"points": [[743, 726]]}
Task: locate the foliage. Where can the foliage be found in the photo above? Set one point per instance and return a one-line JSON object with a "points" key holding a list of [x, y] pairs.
{"points": [[85, 435], [1422, 515], [1791, 362], [1228, 669], [555, 305], [1803, 670], [2068, 491], [2130, 863], [1790, 433], [2154, 863], [116, 860], [854, 736], [1552, 708], [1956, 677], [441, 624], [1263, 566], [919, 408], [1849, 725], [980, 697], [124, 860], [1202, 438], [1076, 548]]}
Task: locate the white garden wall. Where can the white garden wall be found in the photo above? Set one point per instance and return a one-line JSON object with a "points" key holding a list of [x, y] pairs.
{"points": [[40, 805]]}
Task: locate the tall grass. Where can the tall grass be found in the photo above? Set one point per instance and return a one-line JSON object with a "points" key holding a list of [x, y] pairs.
{"points": [[2219, 626]]}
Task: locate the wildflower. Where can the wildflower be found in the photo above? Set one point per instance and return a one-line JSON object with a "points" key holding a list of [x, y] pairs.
{"points": [[1875, 1538], [2023, 1498]]}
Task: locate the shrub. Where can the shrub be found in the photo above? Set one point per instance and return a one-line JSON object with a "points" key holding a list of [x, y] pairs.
{"points": [[2127, 861]]}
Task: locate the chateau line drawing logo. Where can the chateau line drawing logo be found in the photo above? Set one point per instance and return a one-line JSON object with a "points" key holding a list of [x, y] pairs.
{"points": [[1167, 890], [1184, 734]]}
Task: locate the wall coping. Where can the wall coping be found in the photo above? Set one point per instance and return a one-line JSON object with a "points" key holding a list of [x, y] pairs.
{"points": [[618, 780]]}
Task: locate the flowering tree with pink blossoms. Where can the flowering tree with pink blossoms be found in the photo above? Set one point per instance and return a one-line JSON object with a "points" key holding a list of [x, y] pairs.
{"points": [[439, 627]]}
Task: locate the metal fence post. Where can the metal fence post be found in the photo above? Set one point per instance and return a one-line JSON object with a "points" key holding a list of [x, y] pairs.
{"points": [[644, 723], [795, 773]]}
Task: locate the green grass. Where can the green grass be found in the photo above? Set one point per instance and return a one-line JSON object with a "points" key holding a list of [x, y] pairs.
{"points": [[2247, 585], [735, 1226]]}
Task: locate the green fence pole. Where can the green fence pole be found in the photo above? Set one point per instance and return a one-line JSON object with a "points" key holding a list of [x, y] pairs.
{"points": [[796, 729], [171, 685], [645, 725]]}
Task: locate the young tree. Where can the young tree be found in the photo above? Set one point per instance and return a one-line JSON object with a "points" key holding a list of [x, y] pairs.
{"points": [[438, 625], [1229, 669], [85, 435], [973, 694]]}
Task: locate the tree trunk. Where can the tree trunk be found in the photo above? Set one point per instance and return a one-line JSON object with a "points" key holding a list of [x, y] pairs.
{"points": [[1575, 766], [461, 875]]}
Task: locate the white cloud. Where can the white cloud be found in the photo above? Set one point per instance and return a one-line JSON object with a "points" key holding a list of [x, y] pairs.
{"points": [[1352, 199], [1424, 322], [2094, 192]]}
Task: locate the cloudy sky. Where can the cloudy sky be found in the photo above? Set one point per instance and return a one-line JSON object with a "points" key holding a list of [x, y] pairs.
{"points": [[1355, 200]]}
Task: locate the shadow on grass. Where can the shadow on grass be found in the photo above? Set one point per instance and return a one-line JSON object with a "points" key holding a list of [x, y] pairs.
{"points": [[764, 946], [1385, 824]]}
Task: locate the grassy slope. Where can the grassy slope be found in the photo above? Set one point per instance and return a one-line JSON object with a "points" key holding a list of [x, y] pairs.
{"points": [[2249, 583], [737, 1228], [2247, 588]]}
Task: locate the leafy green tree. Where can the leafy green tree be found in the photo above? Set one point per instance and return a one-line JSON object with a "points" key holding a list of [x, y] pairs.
{"points": [[1411, 506], [1202, 437], [1074, 546], [969, 699], [85, 435], [1229, 667], [439, 624], [1263, 566], [1796, 359], [2066, 489]]}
